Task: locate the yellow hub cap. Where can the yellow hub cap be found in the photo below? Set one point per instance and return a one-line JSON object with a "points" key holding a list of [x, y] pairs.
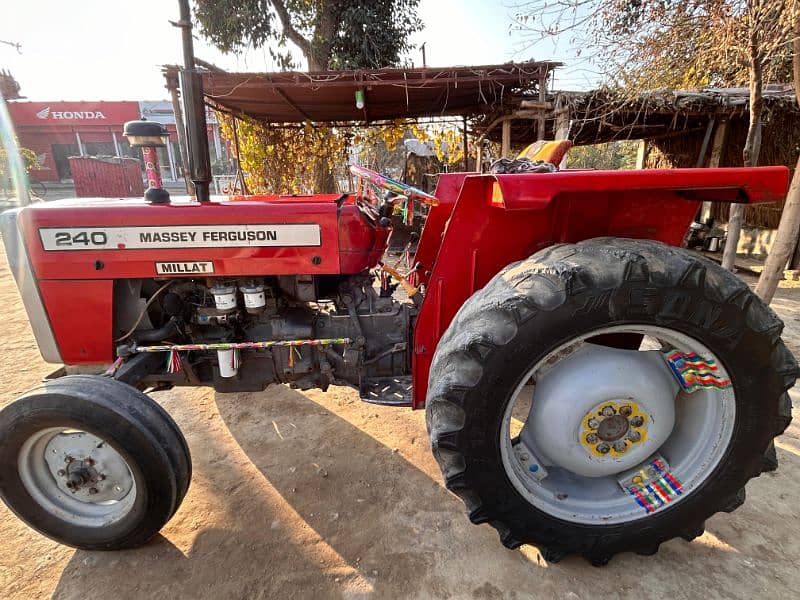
{"points": [[611, 428]]}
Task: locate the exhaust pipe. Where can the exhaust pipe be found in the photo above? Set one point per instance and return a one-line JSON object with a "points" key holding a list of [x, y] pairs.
{"points": [[194, 110]]}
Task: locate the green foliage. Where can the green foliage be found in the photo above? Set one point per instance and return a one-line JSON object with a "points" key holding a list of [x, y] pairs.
{"points": [[610, 156]]}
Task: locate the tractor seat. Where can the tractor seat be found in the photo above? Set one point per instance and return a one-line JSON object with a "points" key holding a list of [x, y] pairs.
{"points": [[552, 152]]}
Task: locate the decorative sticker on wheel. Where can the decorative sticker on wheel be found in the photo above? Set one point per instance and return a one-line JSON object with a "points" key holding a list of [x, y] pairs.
{"points": [[654, 487], [695, 372]]}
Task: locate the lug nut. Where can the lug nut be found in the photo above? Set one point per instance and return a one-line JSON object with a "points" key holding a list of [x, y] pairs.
{"points": [[625, 411], [634, 436], [620, 446], [608, 411], [637, 421], [603, 448], [591, 438], [593, 423]]}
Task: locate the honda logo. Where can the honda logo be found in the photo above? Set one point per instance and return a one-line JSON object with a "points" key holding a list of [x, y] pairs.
{"points": [[84, 115]]}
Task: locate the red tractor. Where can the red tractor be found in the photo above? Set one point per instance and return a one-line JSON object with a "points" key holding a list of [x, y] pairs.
{"points": [[590, 387]]}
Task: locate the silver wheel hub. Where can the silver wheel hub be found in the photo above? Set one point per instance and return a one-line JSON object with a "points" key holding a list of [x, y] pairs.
{"points": [[85, 466], [583, 412], [76, 477]]}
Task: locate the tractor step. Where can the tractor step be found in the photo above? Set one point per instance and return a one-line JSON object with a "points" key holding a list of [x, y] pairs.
{"points": [[391, 391]]}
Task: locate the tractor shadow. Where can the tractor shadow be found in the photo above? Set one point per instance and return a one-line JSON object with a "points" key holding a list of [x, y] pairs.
{"points": [[322, 496]]}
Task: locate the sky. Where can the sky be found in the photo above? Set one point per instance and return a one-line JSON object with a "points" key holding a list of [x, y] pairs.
{"points": [[112, 49]]}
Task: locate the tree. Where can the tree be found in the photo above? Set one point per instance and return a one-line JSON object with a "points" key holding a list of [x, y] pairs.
{"points": [[331, 34], [685, 43], [789, 228]]}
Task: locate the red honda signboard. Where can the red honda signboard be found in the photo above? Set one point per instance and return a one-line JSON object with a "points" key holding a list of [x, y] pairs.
{"points": [[46, 114]]}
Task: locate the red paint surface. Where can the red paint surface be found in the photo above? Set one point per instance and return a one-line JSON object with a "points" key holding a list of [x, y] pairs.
{"points": [[80, 315], [544, 209]]}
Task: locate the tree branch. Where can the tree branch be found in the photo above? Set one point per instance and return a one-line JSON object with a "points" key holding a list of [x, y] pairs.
{"points": [[289, 30]]}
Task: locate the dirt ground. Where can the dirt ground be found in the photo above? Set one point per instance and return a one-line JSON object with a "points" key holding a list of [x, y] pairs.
{"points": [[314, 495]]}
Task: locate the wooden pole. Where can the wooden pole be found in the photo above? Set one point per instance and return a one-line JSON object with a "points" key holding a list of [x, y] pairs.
{"points": [[506, 143], [641, 154], [542, 119], [714, 160], [466, 146]]}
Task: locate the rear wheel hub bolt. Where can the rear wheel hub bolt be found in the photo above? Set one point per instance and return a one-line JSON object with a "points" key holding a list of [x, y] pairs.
{"points": [[620, 446], [608, 411], [625, 411], [593, 423], [591, 438], [634, 436], [603, 448], [637, 422]]}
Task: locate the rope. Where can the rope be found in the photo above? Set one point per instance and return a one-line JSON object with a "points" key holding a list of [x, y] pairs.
{"points": [[238, 345]]}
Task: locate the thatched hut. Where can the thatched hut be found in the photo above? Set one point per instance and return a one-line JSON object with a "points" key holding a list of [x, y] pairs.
{"points": [[678, 128]]}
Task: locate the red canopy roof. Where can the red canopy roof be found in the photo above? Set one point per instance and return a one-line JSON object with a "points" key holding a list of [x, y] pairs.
{"points": [[329, 96]]}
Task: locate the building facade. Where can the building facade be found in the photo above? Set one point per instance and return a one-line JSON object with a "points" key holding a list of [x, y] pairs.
{"points": [[54, 131]]}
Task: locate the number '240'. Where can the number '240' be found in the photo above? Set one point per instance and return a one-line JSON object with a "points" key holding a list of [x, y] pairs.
{"points": [[95, 238]]}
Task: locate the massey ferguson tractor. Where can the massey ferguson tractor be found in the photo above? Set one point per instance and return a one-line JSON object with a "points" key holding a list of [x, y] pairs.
{"points": [[589, 386]]}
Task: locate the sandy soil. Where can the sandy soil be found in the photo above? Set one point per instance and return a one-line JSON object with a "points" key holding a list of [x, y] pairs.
{"points": [[313, 495]]}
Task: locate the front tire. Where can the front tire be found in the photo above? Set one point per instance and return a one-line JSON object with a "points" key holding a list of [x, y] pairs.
{"points": [[92, 462], [535, 309]]}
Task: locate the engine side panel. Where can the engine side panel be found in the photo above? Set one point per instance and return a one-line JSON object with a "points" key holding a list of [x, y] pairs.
{"points": [[78, 248], [83, 220]]}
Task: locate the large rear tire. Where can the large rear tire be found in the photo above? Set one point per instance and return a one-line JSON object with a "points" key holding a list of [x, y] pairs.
{"points": [[92, 462], [533, 332]]}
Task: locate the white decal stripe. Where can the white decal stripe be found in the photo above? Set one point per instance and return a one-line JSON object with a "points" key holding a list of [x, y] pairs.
{"points": [[181, 236]]}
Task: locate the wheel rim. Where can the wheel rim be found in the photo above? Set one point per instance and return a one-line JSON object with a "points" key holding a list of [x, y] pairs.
{"points": [[76, 477], [673, 438]]}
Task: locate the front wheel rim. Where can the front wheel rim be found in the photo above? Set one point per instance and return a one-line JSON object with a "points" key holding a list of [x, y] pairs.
{"points": [[77, 477], [703, 427]]}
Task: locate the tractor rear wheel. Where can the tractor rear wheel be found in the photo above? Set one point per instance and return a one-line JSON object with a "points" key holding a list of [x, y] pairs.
{"points": [[92, 462], [607, 396]]}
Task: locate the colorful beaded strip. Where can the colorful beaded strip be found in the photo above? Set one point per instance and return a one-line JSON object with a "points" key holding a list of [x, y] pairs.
{"points": [[239, 345], [657, 492], [694, 372]]}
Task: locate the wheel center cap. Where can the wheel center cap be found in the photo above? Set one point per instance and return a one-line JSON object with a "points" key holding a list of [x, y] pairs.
{"points": [[613, 428]]}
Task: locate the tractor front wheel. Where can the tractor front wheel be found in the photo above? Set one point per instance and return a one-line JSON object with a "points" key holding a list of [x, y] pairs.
{"points": [[607, 396], [92, 462]]}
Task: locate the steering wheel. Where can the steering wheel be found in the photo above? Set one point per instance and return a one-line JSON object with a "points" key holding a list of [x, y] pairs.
{"points": [[391, 185]]}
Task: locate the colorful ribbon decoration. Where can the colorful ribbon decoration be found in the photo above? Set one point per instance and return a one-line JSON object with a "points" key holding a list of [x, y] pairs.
{"points": [[393, 185], [657, 492], [239, 345], [694, 372]]}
